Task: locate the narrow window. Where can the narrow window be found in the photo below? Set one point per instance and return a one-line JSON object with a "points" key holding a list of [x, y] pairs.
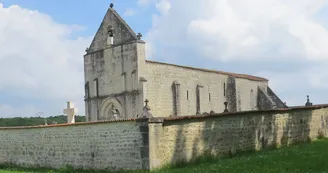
{"points": [[187, 95], [209, 96], [224, 89], [96, 87]]}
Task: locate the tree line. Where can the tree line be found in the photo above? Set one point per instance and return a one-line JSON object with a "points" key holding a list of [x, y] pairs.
{"points": [[35, 121]]}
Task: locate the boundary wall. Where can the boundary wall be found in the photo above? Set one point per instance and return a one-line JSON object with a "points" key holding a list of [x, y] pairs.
{"points": [[101, 145], [181, 139], [134, 144]]}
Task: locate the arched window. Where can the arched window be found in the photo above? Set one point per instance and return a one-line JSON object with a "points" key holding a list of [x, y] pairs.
{"points": [[110, 38]]}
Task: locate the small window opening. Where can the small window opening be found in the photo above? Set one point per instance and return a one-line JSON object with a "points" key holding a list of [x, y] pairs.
{"points": [[187, 95], [224, 89]]}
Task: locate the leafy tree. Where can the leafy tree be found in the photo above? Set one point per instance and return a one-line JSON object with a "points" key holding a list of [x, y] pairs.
{"points": [[35, 121]]}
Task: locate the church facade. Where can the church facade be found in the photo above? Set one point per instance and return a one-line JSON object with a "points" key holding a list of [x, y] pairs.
{"points": [[118, 80]]}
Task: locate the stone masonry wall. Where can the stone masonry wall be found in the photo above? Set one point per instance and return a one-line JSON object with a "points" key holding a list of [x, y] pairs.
{"points": [[102, 145], [155, 142], [116, 72], [213, 91], [179, 139], [112, 71]]}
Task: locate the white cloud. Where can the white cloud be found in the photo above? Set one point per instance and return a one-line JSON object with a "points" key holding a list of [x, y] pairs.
{"points": [[38, 59], [245, 30], [129, 12], [163, 6], [249, 31]]}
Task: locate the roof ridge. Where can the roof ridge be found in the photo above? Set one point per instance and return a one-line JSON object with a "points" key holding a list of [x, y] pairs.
{"points": [[237, 75]]}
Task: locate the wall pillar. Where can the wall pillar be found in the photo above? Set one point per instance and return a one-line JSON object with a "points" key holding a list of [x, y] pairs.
{"points": [[198, 96], [144, 149], [176, 98], [231, 96]]}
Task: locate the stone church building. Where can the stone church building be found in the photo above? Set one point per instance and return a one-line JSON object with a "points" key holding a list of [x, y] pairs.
{"points": [[118, 80]]}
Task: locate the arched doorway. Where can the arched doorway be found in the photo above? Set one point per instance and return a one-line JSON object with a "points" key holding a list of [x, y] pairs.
{"points": [[111, 109]]}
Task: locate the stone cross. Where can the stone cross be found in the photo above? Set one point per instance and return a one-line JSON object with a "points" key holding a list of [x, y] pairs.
{"points": [[70, 111], [146, 102], [139, 36], [308, 103], [226, 107], [146, 110]]}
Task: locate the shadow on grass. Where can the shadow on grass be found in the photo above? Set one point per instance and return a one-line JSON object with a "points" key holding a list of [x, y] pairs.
{"points": [[318, 143]]}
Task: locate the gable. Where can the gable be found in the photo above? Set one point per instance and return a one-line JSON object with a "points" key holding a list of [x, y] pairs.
{"points": [[121, 30]]}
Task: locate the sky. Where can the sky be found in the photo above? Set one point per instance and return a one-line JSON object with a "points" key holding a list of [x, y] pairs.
{"points": [[43, 42]]}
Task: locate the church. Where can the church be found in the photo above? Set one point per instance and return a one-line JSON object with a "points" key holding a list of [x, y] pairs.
{"points": [[120, 81]]}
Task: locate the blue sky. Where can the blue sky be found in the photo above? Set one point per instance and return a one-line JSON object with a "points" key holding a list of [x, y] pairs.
{"points": [[86, 13], [43, 43]]}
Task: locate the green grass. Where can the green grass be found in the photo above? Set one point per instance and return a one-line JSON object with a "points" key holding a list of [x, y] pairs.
{"points": [[305, 158]]}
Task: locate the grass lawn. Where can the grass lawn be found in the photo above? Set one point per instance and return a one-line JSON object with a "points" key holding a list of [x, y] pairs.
{"points": [[310, 157]]}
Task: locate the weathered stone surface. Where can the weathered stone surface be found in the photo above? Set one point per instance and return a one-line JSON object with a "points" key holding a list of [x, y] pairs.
{"points": [[117, 82], [113, 145], [231, 97], [185, 138], [264, 101], [159, 90], [112, 25], [275, 99]]}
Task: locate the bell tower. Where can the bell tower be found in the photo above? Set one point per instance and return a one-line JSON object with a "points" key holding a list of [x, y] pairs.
{"points": [[112, 66]]}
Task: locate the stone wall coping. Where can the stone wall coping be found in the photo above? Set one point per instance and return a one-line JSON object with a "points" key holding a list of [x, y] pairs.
{"points": [[156, 119], [163, 119], [76, 124], [279, 110]]}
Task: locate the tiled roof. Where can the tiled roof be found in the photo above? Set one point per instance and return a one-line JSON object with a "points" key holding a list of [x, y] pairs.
{"points": [[258, 112], [73, 124], [162, 119], [236, 75]]}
